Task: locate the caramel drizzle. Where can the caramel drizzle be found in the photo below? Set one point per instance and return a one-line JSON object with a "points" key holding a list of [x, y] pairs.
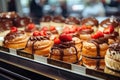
{"points": [[35, 39], [60, 47]]}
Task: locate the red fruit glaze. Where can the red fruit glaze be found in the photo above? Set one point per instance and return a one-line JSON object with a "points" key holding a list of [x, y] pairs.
{"points": [[13, 29], [52, 28], [57, 41], [109, 30], [31, 26], [65, 37], [44, 28], [42, 33], [36, 33]]}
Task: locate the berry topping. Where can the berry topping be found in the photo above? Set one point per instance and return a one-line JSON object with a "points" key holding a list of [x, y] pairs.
{"points": [[42, 33], [65, 37], [97, 35], [52, 28], [108, 30], [36, 33], [57, 41], [31, 26], [44, 28], [66, 30], [13, 29]]}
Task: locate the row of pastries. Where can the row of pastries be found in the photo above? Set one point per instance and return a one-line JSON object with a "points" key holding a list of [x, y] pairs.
{"points": [[84, 42]]}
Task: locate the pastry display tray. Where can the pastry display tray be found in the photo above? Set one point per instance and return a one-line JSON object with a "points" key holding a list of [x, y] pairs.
{"points": [[50, 68]]}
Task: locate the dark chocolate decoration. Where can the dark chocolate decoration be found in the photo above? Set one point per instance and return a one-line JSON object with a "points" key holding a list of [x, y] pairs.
{"points": [[90, 21], [12, 35], [58, 19], [72, 20], [34, 39], [46, 18], [109, 21], [86, 31], [63, 46], [115, 47]]}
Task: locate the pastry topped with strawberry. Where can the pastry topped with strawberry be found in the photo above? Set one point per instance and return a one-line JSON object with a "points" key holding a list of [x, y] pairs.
{"points": [[94, 50], [57, 22], [51, 32], [15, 38], [64, 49], [30, 28], [45, 21], [85, 32], [39, 44], [110, 34], [90, 21], [109, 21]]}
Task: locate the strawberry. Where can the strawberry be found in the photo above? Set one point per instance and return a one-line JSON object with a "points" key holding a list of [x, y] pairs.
{"points": [[65, 37], [66, 30], [57, 41], [52, 28], [83, 27], [36, 33], [79, 28], [42, 33], [13, 29], [100, 34], [73, 29], [44, 28], [31, 26], [97, 35], [108, 30]]}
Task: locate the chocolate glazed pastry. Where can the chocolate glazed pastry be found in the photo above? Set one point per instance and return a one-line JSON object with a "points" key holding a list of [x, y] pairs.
{"points": [[110, 21], [34, 40], [97, 60], [61, 47], [90, 21]]}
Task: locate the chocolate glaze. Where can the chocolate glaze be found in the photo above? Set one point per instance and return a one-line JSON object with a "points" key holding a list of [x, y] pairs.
{"points": [[109, 21], [5, 24], [86, 31], [58, 19], [9, 15], [63, 46], [13, 35], [115, 47], [46, 18], [72, 20], [34, 39], [97, 42], [90, 21], [113, 35], [22, 21]]}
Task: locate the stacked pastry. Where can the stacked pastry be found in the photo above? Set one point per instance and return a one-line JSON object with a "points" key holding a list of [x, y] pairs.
{"points": [[64, 49], [15, 39], [94, 50], [112, 57], [39, 44]]}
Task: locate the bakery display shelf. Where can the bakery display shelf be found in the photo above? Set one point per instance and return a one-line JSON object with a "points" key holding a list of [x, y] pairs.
{"points": [[50, 68]]}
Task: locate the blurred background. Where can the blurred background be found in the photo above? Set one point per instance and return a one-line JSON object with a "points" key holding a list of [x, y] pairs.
{"points": [[78, 8]]}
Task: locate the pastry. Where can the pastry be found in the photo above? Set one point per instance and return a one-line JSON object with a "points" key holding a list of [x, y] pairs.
{"points": [[45, 21], [64, 49], [30, 28], [85, 32], [15, 39], [71, 21], [90, 21], [57, 21], [94, 50], [112, 57], [110, 34], [112, 21], [39, 44]]}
